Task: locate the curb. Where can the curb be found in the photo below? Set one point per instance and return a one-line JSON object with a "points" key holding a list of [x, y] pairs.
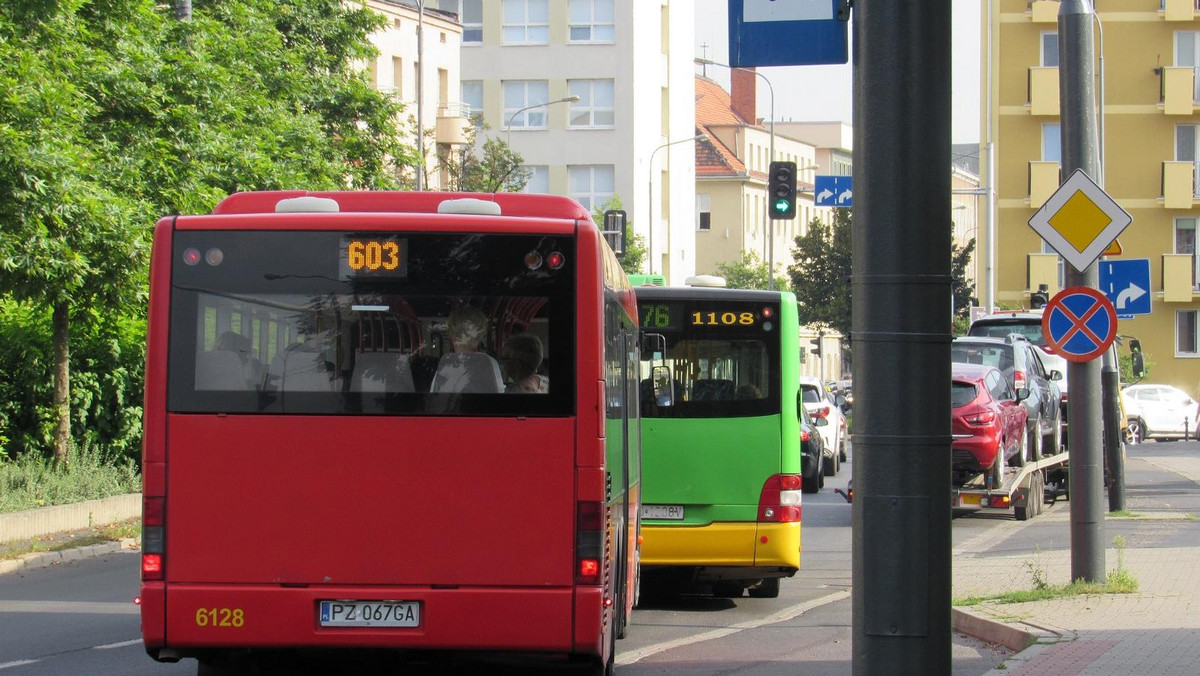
{"points": [[46, 559], [991, 631]]}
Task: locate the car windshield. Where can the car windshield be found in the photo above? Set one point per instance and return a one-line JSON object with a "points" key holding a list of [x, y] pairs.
{"points": [[1031, 330], [999, 356]]}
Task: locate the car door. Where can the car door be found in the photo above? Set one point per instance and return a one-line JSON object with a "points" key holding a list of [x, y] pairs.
{"points": [[1047, 390], [1154, 410], [1012, 412]]}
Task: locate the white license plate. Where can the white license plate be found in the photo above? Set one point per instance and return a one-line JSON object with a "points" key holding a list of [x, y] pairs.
{"points": [[370, 614], [669, 512]]}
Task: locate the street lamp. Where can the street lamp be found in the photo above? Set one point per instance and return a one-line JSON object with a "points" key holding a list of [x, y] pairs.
{"points": [[508, 125], [700, 61], [420, 86], [650, 200]]}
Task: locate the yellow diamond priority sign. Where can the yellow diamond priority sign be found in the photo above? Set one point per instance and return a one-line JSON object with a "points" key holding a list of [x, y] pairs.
{"points": [[1080, 220]]}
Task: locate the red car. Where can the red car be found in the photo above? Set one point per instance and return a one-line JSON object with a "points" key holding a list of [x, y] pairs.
{"points": [[988, 422]]}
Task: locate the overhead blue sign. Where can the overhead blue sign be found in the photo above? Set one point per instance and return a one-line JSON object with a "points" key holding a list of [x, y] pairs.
{"points": [[787, 33], [1127, 284], [833, 191]]}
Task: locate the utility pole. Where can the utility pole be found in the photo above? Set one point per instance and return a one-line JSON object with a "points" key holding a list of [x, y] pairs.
{"points": [[900, 282], [1077, 103]]}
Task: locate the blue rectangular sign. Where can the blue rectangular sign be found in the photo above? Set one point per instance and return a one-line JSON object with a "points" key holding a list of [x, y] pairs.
{"points": [[833, 191], [787, 33], [1127, 284]]}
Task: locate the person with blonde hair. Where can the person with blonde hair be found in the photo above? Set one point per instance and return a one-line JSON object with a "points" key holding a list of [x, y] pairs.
{"points": [[466, 369]]}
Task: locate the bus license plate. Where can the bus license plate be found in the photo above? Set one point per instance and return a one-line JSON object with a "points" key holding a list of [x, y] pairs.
{"points": [[370, 614], [669, 512]]}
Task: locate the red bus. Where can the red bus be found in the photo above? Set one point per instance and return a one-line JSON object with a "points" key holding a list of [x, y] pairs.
{"points": [[387, 420]]}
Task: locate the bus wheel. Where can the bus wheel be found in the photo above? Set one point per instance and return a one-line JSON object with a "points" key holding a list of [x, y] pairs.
{"points": [[767, 589], [727, 590]]}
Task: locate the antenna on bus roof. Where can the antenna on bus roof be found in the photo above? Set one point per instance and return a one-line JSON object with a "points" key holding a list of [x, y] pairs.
{"points": [[706, 280], [308, 203], [469, 205]]}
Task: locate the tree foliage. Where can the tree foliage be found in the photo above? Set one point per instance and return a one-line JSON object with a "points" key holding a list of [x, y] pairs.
{"points": [[821, 273], [494, 167], [749, 273]]}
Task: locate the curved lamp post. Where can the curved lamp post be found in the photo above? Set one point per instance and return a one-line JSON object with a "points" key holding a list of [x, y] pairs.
{"points": [[508, 125], [650, 200]]}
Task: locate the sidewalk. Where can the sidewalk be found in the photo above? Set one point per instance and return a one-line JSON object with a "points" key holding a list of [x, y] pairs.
{"points": [[1153, 632]]}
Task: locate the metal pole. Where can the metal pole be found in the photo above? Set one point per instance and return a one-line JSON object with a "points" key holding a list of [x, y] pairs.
{"points": [[1077, 103], [420, 95], [989, 217], [900, 282]]}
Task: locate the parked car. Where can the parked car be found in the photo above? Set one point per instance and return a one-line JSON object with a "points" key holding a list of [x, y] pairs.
{"points": [[1159, 412], [1021, 364], [812, 452], [820, 403], [987, 422], [1029, 325]]}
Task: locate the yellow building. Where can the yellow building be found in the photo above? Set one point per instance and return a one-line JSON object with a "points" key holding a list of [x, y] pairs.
{"points": [[1150, 152]]}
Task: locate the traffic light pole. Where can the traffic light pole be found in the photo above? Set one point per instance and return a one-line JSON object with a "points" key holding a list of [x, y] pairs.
{"points": [[1077, 102]]}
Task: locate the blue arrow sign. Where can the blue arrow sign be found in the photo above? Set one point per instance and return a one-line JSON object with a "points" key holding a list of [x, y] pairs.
{"points": [[832, 191], [787, 33], [1127, 284]]}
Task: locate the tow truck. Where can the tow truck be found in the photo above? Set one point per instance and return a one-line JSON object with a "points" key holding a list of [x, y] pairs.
{"points": [[1022, 490]]}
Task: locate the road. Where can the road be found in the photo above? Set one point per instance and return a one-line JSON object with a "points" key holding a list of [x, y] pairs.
{"points": [[80, 618]]}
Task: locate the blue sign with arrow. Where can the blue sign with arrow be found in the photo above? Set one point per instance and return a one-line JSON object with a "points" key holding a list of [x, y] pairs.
{"points": [[833, 191], [788, 32], [1127, 284]]}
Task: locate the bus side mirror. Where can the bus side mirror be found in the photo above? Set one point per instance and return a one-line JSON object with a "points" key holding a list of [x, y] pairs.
{"points": [[664, 387], [614, 230]]}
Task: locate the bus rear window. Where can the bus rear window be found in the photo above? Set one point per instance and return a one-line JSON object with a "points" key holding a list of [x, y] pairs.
{"points": [[372, 323]]}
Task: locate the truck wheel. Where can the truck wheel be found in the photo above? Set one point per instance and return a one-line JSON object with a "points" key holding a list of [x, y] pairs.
{"points": [[828, 468], [811, 484], [996, 471], [728, 590]]}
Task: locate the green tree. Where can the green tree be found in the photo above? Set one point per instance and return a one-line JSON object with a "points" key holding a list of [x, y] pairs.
{"points": [[635, 244], [749, 273], [821, 271], [494, 167], [962, 290]]}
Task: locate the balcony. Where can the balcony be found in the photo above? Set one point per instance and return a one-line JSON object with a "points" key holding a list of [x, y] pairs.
{"points": [[1044, 179], [1042, 268], [1043, 90], [1178, 277], [1179, 184], [453, 121], [1179, 10], [1044, 11], [1178, 90]]}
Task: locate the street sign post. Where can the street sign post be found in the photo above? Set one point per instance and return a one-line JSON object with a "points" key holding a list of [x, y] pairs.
{"points": [[1126, 283], [1079, 324], [787, 33], [833, 191], [1080, 220]]}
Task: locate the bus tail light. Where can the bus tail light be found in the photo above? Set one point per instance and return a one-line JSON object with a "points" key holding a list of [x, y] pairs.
{"points": [[153, 539], [779, 501], [589, 542]]}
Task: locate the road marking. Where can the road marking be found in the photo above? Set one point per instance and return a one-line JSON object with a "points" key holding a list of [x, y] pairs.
{"points": [[122, 644], [781, 616], [77, 607], [18, 663]]}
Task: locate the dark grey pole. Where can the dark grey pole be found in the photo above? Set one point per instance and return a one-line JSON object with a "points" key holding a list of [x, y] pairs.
{"points": [[1113, 450], [1080, 150], [901, 337]]}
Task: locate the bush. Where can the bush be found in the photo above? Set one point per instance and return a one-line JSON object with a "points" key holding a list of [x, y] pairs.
{"points": [[33, 481]]}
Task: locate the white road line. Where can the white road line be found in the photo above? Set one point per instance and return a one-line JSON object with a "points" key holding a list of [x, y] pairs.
{"points": [[781, 616], [18, 663], [122, 644]]}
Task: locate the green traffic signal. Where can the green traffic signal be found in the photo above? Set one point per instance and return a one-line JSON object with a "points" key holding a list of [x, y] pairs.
{"points": [[781, 185]]}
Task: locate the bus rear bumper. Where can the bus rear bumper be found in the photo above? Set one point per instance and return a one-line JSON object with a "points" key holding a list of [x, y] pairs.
{"points": [[534, 620], [739, 545]]}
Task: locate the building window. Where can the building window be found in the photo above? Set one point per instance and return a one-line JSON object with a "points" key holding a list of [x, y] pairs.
{"points": [[1062, 270], [1187, 54], [591, 21], [472, 96], [471, 16], [595, 105], [703, 213], [1050, 49], [526, 22], [1186, 150], [519, 95], [591, 186], [1185, 242], [1051, 142], [539, 179], [1185, 333]]}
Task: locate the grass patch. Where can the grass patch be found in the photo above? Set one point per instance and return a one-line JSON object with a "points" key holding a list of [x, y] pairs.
{"points": [[1118, 581], [54, 542], [1125, 514], [31, 481]]}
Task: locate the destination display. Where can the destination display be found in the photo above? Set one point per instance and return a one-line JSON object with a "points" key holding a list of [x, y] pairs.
{"points": [[375, 256], [679, 315]]}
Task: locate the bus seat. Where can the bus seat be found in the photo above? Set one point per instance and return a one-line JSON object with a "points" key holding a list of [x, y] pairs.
{"points": [[382, 372], [467, 372], [300, 370], [712, 390], [221, 370]]}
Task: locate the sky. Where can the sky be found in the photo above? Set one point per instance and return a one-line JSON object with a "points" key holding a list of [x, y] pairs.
{"points": [[824, 93]]}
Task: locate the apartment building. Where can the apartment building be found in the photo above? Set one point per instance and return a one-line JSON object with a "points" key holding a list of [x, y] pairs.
{"points": [[397, 70], [1150, 154]]}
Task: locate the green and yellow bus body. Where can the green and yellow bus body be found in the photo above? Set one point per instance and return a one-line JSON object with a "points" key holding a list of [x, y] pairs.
{"points": [[720, 437]]}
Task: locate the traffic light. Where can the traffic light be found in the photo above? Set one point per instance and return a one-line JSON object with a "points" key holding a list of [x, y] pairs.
{"points": [[1039, 298], [816, 346], [781, 190], [1137, 359]]}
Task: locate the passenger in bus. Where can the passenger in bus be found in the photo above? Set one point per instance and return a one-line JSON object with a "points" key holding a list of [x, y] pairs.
{"points": [[466, 369], [231, 365], [520, 359]]}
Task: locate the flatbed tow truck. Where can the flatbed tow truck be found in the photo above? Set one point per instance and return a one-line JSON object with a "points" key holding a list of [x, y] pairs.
{"points": [[1023, 489]]}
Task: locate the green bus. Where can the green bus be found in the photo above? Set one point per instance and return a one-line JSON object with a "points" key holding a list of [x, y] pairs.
{"points": [[721, 479]]}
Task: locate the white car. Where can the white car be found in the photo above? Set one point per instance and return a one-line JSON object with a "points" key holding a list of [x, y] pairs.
{"points": [[820, 403], [1159, 412]]}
